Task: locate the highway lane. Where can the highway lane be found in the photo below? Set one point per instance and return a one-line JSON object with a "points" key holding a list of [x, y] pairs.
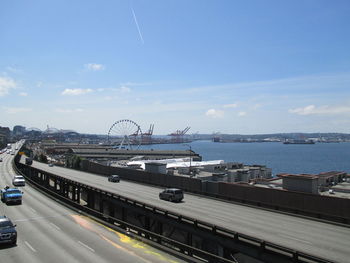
{"points": [[50, 232], [317, 238]]}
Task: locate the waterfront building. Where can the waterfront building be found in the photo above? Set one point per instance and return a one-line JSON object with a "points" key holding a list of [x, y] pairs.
{"points": [[311, 183]]}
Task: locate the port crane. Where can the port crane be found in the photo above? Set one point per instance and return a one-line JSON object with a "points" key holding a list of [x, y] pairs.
{"points": [[147, 136], [177, 136]]}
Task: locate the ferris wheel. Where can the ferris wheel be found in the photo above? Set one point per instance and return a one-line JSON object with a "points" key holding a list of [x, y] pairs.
{"points": [[125, 134]]}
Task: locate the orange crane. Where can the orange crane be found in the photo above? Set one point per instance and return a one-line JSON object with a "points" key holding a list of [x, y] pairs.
{"points": [[177, 136], [147, 136]]}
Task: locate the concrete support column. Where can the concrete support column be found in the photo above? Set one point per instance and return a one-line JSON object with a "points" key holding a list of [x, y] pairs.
{"points": [[77, 198], [55, 183], [159, 230], [62, 187], [46, 180], [100, 203], [77, 195], [73, 193], [90, 199], [189, 241], [66, 189], [147, 225], [124, 214]]}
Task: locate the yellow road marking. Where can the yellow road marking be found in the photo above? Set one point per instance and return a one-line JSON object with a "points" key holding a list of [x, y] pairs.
{"points": [[86, 223]]}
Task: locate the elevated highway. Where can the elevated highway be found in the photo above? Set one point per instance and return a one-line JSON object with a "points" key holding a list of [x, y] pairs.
{"points": [[317, 238], [50, 232]]}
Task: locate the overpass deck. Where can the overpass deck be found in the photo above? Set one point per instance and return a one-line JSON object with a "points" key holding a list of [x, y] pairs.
{"points": [[316, 238]]}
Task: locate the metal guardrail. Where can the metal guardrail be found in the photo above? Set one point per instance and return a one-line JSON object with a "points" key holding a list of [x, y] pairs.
{"points": [[296, 256]]}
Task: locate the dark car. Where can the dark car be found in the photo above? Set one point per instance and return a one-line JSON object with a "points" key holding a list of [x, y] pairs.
{"points": [[114, 178], [8, 233], [172, 195]]}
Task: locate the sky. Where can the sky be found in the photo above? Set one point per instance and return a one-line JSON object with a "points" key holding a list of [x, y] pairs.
{"points": [[228, 66]]}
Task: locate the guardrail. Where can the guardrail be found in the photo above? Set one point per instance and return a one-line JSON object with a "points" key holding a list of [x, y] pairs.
{"points": [[259, 244]]}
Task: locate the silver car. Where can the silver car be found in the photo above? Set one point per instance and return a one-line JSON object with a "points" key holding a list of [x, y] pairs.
{"points": [[18, 180]]}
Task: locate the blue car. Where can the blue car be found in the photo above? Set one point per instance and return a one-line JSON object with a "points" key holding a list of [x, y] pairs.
{"points": [[11, 195]]}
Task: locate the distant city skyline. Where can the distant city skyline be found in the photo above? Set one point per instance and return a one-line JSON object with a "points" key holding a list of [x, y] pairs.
{"points": [[234, 67]]}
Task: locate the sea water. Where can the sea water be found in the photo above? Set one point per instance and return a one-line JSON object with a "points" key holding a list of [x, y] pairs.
{"points": [[282, 158]]}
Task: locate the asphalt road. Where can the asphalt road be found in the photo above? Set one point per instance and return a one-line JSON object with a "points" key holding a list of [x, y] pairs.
{"points": [[50, 232], [317, 238]]}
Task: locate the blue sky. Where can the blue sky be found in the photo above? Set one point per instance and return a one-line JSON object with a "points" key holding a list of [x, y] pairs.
{"points": [[226, 66]]}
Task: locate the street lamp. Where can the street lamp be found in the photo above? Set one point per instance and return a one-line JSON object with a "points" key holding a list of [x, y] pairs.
{"points": [[190, 158]]}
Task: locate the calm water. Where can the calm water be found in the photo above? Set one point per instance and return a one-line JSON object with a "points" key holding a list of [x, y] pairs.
{"points": [[295, 158]]}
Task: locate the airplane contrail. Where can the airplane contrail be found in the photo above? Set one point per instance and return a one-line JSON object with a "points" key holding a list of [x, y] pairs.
{"points": [[137, 25]]}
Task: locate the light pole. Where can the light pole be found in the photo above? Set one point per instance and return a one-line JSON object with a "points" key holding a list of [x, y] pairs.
{"points": [[190, 158]]}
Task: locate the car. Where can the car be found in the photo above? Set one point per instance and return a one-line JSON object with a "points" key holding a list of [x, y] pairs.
{"points": [[18, 180], [11, 195], [50, 164], [114, 178], [29, 161], [331, 191], [8, 232], [0, 159], [172, 195]]}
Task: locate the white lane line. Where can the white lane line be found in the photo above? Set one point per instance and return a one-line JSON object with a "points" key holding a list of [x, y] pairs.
{"points": [[40, 218], [91, 249], [297, 239], [28, 245], [33, 210], [59, 229]]}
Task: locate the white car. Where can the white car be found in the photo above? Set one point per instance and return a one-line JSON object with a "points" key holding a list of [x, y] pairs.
{"points": [[18, 180]]}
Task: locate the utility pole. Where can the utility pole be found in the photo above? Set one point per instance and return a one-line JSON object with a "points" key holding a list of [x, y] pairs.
{"points": [[190, 168]]}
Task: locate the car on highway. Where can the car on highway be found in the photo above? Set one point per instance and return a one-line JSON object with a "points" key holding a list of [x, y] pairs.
{"points": [[114, 178], [8, 232], [18, 180], [11, 195], [172, 195], [29, 161], [50, 164]]}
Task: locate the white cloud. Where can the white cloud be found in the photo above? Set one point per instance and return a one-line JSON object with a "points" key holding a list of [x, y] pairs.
{"points": [[68, 110], [234, 105], [322, 110], [108, 98], [94, 67], [75, 92], [257, 106], [6, 84], [23, 94], [242, 113], [124, 89], [16, 110], [13, 69], [136, 84], [215, 113]]}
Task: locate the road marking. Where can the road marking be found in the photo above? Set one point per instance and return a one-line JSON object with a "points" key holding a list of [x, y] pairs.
{"points": [[296, 239], [59, 229], [40, 218], [33, 210], [28, 245], [91, 249]]}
